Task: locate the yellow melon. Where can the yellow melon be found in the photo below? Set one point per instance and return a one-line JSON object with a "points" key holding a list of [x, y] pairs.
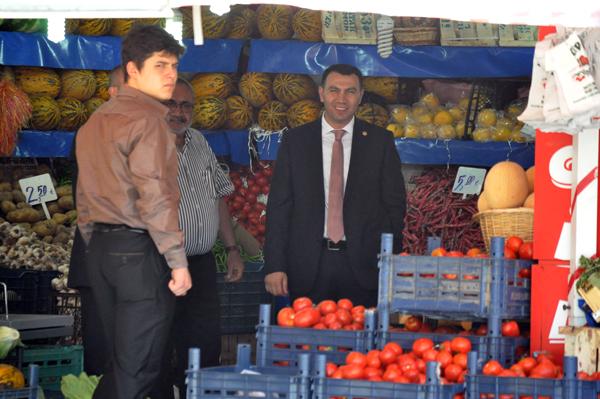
{"points": [[275, 21], [506, 185], [386, 87], [307, 25], [530, 178], [482, 204], [529, 201]]}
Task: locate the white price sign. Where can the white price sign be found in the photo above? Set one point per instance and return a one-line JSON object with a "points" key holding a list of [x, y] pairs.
{"points": [[468, 180], [38, 190]]}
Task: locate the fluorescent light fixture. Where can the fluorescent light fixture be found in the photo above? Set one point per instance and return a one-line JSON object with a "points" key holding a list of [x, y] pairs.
{"points": [[56, 29], [174, 26], [220, 7]]}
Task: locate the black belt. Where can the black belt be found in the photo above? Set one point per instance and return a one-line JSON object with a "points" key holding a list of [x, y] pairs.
{"points": [[334, 246], [108, 228]]}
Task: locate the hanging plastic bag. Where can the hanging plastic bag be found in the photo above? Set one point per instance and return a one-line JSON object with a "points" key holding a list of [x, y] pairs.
{"points": [[535, 103]]}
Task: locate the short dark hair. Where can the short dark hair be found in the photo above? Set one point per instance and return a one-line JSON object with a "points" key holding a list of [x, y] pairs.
{"points": [[342, 69], [186, 83], [116, 77], [144, 40]]}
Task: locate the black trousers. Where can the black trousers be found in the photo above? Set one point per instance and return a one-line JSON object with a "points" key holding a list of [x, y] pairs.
{"points": [[196, 324], [335, 281], [95, 355], [129, 281]]}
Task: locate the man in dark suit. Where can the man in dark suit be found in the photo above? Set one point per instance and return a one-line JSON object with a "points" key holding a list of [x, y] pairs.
{"points": [[337, 186]]}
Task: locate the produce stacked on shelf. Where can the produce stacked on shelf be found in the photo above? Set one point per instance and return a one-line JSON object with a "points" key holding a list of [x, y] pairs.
{"points": [[433, 210], [107, 26]]}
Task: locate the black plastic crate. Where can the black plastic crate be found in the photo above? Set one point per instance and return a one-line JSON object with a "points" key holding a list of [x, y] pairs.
{"points": [[239, 301], [69, 303], [29, 291]]}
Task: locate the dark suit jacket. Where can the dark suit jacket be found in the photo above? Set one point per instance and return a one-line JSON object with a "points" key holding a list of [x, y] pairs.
{"points": [[374, 203]]}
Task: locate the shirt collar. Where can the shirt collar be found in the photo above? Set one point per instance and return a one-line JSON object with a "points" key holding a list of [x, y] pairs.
{"points": [[128, 91], [328, 128]]}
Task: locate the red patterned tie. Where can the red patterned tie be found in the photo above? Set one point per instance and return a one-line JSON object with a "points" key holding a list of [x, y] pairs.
{"points": [[335, 216]]}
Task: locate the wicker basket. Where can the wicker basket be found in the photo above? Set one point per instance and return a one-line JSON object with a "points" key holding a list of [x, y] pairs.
{"points": [[417, 36], [506, 223]]}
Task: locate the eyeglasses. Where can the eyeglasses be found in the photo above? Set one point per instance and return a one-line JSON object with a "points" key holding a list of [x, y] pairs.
{"points": [[185, 106]]}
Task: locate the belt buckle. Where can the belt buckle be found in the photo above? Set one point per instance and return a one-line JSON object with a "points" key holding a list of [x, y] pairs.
{"points": [[332, 246]]}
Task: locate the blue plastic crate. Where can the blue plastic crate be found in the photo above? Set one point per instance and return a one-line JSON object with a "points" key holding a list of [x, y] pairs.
{"points": [[239, 301], [569, 387], [29, 392], [325, 388], [453, 287], [281, 345], [503, 349], [246, 381]]}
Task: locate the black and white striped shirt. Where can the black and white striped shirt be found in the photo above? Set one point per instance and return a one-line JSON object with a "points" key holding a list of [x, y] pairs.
{"points": [[202, 183]]}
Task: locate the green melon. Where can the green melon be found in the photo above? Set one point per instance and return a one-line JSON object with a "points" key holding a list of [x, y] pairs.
{"points": [[273, 116], [78, 83], [290, 88], [243, 22], [303, 112], [212, 85], [93, 104], [73, 114], [38, 81], [45, 113], [102, 84], [239, 113], [256, 87], [209, 113], [94, 26]]}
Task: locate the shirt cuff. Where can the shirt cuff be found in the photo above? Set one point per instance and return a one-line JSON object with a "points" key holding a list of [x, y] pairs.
{"points": [[176, 258]]}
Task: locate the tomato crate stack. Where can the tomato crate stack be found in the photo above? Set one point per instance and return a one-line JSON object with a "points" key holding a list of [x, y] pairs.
{"points": [[459, 288], [484, 384], [247, 381], [280, 346]]}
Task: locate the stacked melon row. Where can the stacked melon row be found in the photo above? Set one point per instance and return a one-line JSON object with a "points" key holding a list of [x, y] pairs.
{"points": [[106, 26], [61, 99], [273, 100]]}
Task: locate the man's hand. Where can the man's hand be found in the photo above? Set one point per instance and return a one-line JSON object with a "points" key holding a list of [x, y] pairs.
{"points": [[235, 267], [181, 281], [276, 283]]}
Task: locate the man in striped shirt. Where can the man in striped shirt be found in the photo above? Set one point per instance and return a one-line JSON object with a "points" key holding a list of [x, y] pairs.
{"points": [[203, 214]]}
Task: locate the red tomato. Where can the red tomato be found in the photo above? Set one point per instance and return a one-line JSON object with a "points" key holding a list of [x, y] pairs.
{"points": [[372, 372], [387, 356], [255, 189], [510, 328], [509, 253], [525, 272], [413, 323], [358, 318], [582, 375], [513, 243], [455, 254], [544, 369], [301, 303], [518, 370], [393, 346], [307, 317], [336, 325], [474, 251], [470, 277], [250, 197], [343, 316], [444, 358], [460, 359], [445, 346], [352, 371], [360, 359], [482, 330], [391, 374], [452, 371], [439, 252], [412, 374], [527, 364], [507, 373], [526, 250], [429, 355], [268, 172], [331, 318], [285, 317], [345, 303], [373, 359], [337, 374], [327, 306], [421, 365], [420, 345], [320, 326], [449, 276], [330, 368], [262, 181], [460, 345], [492, 367], [358, 309]]}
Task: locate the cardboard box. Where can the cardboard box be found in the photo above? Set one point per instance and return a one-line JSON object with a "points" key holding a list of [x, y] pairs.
{"points": [[553, 180], [549, 283], [517, 35], [584, 343], [462, 33], [349, 27]]}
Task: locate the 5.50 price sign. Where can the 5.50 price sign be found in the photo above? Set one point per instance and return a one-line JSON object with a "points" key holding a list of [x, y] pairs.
{"points": [[38, 189]]}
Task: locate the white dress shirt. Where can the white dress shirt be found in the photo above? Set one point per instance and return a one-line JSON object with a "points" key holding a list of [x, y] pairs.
{"points": [[327, 139]]}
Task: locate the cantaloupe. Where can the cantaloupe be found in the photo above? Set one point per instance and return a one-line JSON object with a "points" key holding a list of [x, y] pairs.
{"points": [[506, 185], [482, 204], [530, 201], [530, 178]]}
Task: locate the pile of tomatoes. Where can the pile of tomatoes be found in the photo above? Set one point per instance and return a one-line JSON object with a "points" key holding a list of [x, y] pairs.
{"points": [[509, 328], [328, 314], [392, 364], [248, 203], [471, 253], [516, 248]]}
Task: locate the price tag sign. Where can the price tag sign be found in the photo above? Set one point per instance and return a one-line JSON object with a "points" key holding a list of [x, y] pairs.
{"points": [[468, 181], [38, 190]]}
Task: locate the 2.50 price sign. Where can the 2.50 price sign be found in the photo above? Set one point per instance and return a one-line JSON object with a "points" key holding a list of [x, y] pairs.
{"points": [[38, 189]]}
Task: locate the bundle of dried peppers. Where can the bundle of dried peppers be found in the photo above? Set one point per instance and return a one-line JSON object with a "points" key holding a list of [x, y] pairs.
{"points": [[15, 112]]}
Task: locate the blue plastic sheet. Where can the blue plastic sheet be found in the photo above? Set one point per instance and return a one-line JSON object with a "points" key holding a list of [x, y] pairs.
{"points": [[238, 140], [218, 142], [439, 152], [104, 52], [295, 56]]}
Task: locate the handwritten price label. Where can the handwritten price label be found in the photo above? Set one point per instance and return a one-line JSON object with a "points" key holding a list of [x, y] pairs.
{"points": [[468, 180], [38, 189]]}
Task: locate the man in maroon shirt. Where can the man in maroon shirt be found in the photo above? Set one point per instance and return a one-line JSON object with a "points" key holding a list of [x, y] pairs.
{"points": [[128, 200]]}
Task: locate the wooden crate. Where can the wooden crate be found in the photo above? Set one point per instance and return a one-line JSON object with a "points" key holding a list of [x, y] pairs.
{"points": [[517, 35], [583, 342], [462, 33], [229, 345], [349, 27]]}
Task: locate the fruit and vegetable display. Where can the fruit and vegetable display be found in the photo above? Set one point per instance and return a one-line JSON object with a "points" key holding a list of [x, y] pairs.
{"points": [[326, 315]]}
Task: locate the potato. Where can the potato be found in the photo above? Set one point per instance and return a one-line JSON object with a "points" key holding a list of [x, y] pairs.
{"points": [[18, 196], [16, 216], [63, 190], [72, 216], [7, 206], [61, 238], [22, 205], [32, 215], [5, 186], [44, 228], [6, 196], [66, 202], [53, 207], [59, 218]]}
